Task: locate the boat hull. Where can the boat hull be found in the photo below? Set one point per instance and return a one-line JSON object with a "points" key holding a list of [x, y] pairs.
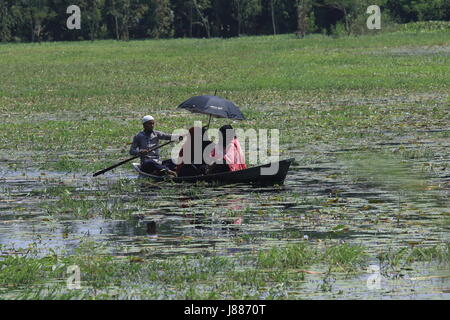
{"points": [[260, 175]]}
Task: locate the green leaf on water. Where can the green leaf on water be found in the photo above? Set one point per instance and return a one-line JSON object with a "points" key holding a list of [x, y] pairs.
{"points": [[340, 228]]}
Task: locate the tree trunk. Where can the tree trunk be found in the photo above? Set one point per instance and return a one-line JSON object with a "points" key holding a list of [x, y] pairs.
{"points": [[208, 32], [5, 27], [238, 17], [38, 31], [126, 22], [273, 17], [115, 19], [117, 27], [204, 20], [32, 24], [303, 7], [94, 22], [190, 21], [91, 34], [300, 31], [347, 28]]}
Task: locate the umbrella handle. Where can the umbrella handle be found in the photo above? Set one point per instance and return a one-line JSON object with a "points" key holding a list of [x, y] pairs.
{"points": [[215, 94]]}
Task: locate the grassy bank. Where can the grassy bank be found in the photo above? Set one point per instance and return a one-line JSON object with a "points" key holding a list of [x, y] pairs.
{"points": [[281, 273]]}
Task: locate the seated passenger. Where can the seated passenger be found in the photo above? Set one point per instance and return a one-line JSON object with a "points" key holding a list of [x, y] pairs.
{"points": [[191, 161], [227, 152]]}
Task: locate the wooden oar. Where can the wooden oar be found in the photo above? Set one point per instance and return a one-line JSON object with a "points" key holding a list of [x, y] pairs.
{"points": [[125, 161]]}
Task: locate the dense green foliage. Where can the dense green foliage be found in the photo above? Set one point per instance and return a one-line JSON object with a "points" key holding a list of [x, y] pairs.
{"points": [[45, 20], [272, 274]]}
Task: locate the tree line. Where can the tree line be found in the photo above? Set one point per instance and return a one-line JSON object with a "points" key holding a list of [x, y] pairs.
{"points": [[45, 20]]}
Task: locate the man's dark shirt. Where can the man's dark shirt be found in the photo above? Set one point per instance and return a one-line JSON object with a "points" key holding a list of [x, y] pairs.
{"points": [[147, 140]]}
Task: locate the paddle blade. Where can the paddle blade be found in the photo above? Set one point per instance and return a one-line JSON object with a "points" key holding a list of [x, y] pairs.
{"points": [[99, 173]]}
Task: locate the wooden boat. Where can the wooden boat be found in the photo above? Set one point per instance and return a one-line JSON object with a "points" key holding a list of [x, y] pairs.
{"points": [[250, 176]]}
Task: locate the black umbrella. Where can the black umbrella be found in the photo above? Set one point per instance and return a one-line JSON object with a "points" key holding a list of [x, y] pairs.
{"points": [[214, 106]]}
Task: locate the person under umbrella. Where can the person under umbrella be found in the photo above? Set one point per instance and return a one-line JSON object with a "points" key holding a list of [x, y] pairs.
{"points": [[227, 153], [191, 160]]}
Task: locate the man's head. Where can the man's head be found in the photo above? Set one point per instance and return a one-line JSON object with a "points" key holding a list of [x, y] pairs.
{"points": [[148, 122]]}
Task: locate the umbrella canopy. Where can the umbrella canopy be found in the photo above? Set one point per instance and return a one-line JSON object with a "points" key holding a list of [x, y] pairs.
{"points": [[214, 106]]}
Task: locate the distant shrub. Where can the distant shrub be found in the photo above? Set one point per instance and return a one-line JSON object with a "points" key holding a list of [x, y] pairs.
{"points": [[425, 26], [338, 30], [358, 26]]}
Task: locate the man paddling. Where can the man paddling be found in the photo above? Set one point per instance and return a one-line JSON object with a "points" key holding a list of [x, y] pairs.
{"points": [[147, 139]]}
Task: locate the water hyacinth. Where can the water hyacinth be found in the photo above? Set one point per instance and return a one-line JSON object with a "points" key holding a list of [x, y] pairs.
{"points": [[366, 119]]}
